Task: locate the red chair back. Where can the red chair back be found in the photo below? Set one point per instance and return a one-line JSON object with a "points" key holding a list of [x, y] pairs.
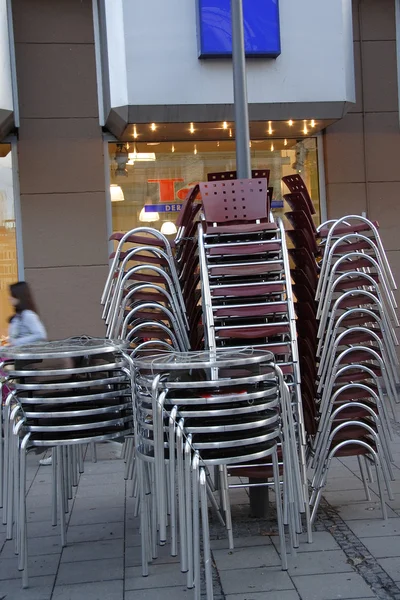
{"points": [[235, 201], [295, 183]]}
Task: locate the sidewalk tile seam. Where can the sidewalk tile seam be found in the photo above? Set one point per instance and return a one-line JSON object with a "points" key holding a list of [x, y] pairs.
{"points": [[360, 558]]}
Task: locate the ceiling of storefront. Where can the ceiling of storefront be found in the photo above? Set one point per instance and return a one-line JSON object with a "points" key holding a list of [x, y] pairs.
{"points": [[159, 132]]}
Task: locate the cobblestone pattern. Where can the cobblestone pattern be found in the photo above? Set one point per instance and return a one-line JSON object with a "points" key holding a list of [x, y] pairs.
{"points": [[329, 520], [358, 556]]}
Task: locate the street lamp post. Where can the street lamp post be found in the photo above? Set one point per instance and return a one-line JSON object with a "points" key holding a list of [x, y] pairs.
{"points": [[259, 503], [243, 164]]}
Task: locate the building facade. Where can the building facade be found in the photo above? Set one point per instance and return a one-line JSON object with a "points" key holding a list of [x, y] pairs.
{"points": [[107, 115]]}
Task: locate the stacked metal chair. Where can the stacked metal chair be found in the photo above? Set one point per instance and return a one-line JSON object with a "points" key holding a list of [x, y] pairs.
{"points": [[142, 298], [359, 375], [350, 338], [305, 254], [246, 287], [86, 398], [145, 297], [201, 410]]}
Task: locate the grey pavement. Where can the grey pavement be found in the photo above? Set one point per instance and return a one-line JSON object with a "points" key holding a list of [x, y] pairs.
{"points": [[354, 555]]}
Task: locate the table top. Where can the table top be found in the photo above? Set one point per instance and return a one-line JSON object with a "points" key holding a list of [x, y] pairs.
{"points": [[203, 359], [76, 346]]}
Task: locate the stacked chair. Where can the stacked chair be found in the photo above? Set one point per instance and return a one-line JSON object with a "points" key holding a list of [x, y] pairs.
{"points": [[208, 409], [235, 284], [324, 308], [348, 340], [62, 395], [246, 290], [142, 299]]}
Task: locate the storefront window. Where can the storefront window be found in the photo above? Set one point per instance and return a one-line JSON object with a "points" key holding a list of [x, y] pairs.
{"points": [[149, 181], [8, 247]]}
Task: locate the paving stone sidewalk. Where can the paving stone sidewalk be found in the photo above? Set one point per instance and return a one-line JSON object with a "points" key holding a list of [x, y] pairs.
{"points": [[355, 555]]}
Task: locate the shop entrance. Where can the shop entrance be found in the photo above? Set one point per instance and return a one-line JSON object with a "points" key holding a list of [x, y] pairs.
{"points": [[150, 180]]}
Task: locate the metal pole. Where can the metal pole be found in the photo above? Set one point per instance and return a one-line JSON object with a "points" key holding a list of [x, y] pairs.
{"points": [[243, 164]]}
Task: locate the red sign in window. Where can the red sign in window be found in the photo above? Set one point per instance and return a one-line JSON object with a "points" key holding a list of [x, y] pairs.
{"points": [[167, 188]]}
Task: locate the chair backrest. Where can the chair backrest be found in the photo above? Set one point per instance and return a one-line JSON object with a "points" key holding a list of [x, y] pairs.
{"points": [[186, 212], [297, 201], [295, 183], [299, 219], [226, 175], [234, 201], [301, 238], [221, 176]]}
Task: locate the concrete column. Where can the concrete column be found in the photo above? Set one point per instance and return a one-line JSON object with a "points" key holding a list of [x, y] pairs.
{"points": [[61, 163]]}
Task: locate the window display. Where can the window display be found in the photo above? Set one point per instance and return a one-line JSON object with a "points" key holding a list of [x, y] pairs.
{"points": [[149, 181]]}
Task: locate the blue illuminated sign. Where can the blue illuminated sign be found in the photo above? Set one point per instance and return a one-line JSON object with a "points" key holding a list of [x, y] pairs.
{"points": [[261, 28], [151, 208]]}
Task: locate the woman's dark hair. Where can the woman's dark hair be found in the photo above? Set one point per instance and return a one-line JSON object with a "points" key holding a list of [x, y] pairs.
{"points": [[22, 292]]}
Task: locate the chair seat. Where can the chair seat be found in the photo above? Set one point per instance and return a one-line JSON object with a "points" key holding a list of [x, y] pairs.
{"points": [[345, 229], [141, 240]]}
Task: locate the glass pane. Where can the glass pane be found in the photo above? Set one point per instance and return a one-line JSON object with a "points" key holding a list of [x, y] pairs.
{"points": [[8, 246], [157, 175]]}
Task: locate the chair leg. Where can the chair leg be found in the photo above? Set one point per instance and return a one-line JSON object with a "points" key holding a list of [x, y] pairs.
{"points": [[154, 512], [74, 449], [10, 491], [172, 489], [23, 555], [364, 476], [6, 461], [214, 503], [206, 536], [196, 527], [228, 514], [379, 476], [128, 456], [143, 516], [54, 488], [80, 459], [181, 500], [69, 472], [189, 524], [94, 452], [17, 493], [369, 471], [279, 511], [61, 493], [65, 477]]}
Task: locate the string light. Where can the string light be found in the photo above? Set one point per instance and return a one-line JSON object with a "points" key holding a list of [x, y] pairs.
{"points": [[312, 123], [224, 125], [191, 128], [305, 129], [135, 133], [270, 128], [153, 126], [217, 144], [272, 148], [230, 133], [290, 123], [195, 149], [285, 143], [172, 148]]}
